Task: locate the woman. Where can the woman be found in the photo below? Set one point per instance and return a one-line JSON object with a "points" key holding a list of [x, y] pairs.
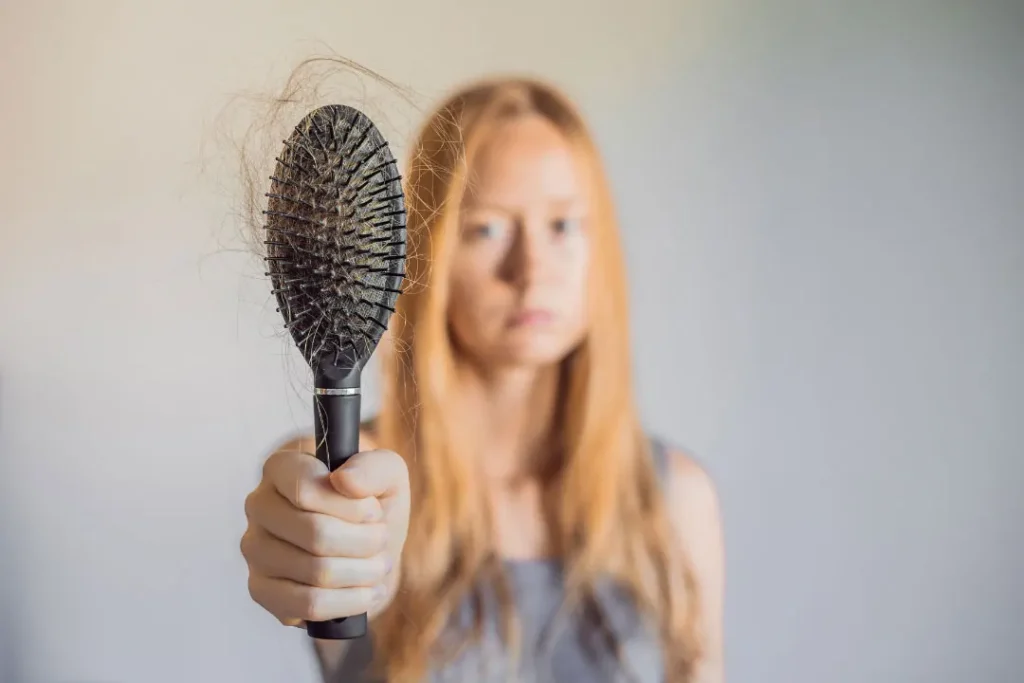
{"points": [[549, 537]]}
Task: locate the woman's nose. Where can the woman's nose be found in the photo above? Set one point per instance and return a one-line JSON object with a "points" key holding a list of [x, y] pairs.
{"points": [[529, 258]]}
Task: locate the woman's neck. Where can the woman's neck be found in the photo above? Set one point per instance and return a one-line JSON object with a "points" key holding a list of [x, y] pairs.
{"points": [[512, 413]]}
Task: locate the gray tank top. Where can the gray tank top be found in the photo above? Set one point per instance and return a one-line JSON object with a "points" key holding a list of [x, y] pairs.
{"points": [[552, 650]]}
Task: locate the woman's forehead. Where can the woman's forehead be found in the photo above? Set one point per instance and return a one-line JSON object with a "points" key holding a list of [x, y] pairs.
{"points": [[526, 160]]}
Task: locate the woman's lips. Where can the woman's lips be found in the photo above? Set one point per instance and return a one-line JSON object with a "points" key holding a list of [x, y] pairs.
{"points": [[531, 316]]}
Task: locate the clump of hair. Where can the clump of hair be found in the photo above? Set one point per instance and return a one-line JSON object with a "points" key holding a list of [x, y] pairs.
{"points": [[252, 127]]}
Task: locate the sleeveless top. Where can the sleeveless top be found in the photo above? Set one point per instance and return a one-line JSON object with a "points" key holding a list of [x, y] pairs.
{"points": [[550, 652]]}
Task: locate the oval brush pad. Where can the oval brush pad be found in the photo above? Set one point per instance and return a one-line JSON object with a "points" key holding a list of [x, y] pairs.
{"points": [[336, 246]]}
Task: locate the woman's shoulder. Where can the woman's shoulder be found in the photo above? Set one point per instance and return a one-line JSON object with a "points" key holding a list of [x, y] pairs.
{"points": [[673, 461], [688, 486], [693, 506]]}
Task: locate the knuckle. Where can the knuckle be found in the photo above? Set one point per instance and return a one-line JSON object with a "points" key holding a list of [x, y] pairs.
{"points": [[382, 538], [250, 503], [372, 541], [321, 572], [319, 536], [268, 466], [272, 464], [364, 572], [397, 461], [256, 590], [365, 598], [368, 508], [251, 586], [304, 494], [245, 545], [380, 568], [312, 605]]}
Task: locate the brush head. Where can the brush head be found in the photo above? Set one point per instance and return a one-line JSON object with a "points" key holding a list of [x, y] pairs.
{"points": [[335, 236]]}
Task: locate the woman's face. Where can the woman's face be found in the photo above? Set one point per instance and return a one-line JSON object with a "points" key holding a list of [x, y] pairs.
{"points": [[519, 271]]}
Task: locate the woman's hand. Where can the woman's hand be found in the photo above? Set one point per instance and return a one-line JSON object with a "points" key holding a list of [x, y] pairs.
{"points": [[322, 545]]}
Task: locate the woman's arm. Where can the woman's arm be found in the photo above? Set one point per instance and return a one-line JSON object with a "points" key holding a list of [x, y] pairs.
{"points": [[694, 508]]}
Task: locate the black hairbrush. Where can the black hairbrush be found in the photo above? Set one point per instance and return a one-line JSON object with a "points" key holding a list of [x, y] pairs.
{"points": [[336, 258]]}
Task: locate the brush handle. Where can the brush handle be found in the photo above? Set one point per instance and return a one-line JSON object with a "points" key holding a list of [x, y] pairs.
{"points": [[336, 428]]}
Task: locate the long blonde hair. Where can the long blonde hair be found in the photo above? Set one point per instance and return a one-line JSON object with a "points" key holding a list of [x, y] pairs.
{"points": [[611, 521]]}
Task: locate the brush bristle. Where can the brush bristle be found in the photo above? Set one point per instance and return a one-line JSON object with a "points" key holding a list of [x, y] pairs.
{"points": [[335, 235]]}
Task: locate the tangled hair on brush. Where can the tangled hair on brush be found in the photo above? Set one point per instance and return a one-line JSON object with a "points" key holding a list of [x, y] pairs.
{"points": [[253, 127], [316, 81], [610, 519]]}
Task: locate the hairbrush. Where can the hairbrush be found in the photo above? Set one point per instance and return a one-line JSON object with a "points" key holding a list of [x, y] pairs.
{"points": [[336, 247]]}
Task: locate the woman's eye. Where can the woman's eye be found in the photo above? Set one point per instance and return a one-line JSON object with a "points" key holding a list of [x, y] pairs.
{"points": [[566, 225], [487, 230]]}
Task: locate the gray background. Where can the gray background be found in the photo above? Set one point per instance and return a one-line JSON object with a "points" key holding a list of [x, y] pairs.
{"points": [[823, 207]]}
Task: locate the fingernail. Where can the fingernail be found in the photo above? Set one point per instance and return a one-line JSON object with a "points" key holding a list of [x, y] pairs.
{"points": [[350, 466]]}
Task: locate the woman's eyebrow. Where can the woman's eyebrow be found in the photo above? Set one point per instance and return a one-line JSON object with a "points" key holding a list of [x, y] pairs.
{"points": [[490, 205]]}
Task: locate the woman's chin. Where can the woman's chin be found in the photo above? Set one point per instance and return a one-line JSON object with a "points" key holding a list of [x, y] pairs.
{"points": [[535, 351]]}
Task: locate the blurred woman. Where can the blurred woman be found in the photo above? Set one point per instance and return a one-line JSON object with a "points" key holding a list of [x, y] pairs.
{"points": [[508, 516]]}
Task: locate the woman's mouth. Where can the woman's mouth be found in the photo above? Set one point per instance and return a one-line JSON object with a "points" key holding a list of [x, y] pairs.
{"points": [[531, 316]]}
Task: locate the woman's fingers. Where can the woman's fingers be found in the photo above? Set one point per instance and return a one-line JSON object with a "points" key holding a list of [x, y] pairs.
{"points": [[277, 559], [377, 474], [288, 600], [315, 532], [305, 483]]}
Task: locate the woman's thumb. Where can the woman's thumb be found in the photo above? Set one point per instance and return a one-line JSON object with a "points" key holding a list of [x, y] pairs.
{"points": [[377, 473]]}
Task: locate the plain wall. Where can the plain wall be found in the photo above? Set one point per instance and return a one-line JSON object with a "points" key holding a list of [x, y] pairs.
{"points": [[823, 209]]}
